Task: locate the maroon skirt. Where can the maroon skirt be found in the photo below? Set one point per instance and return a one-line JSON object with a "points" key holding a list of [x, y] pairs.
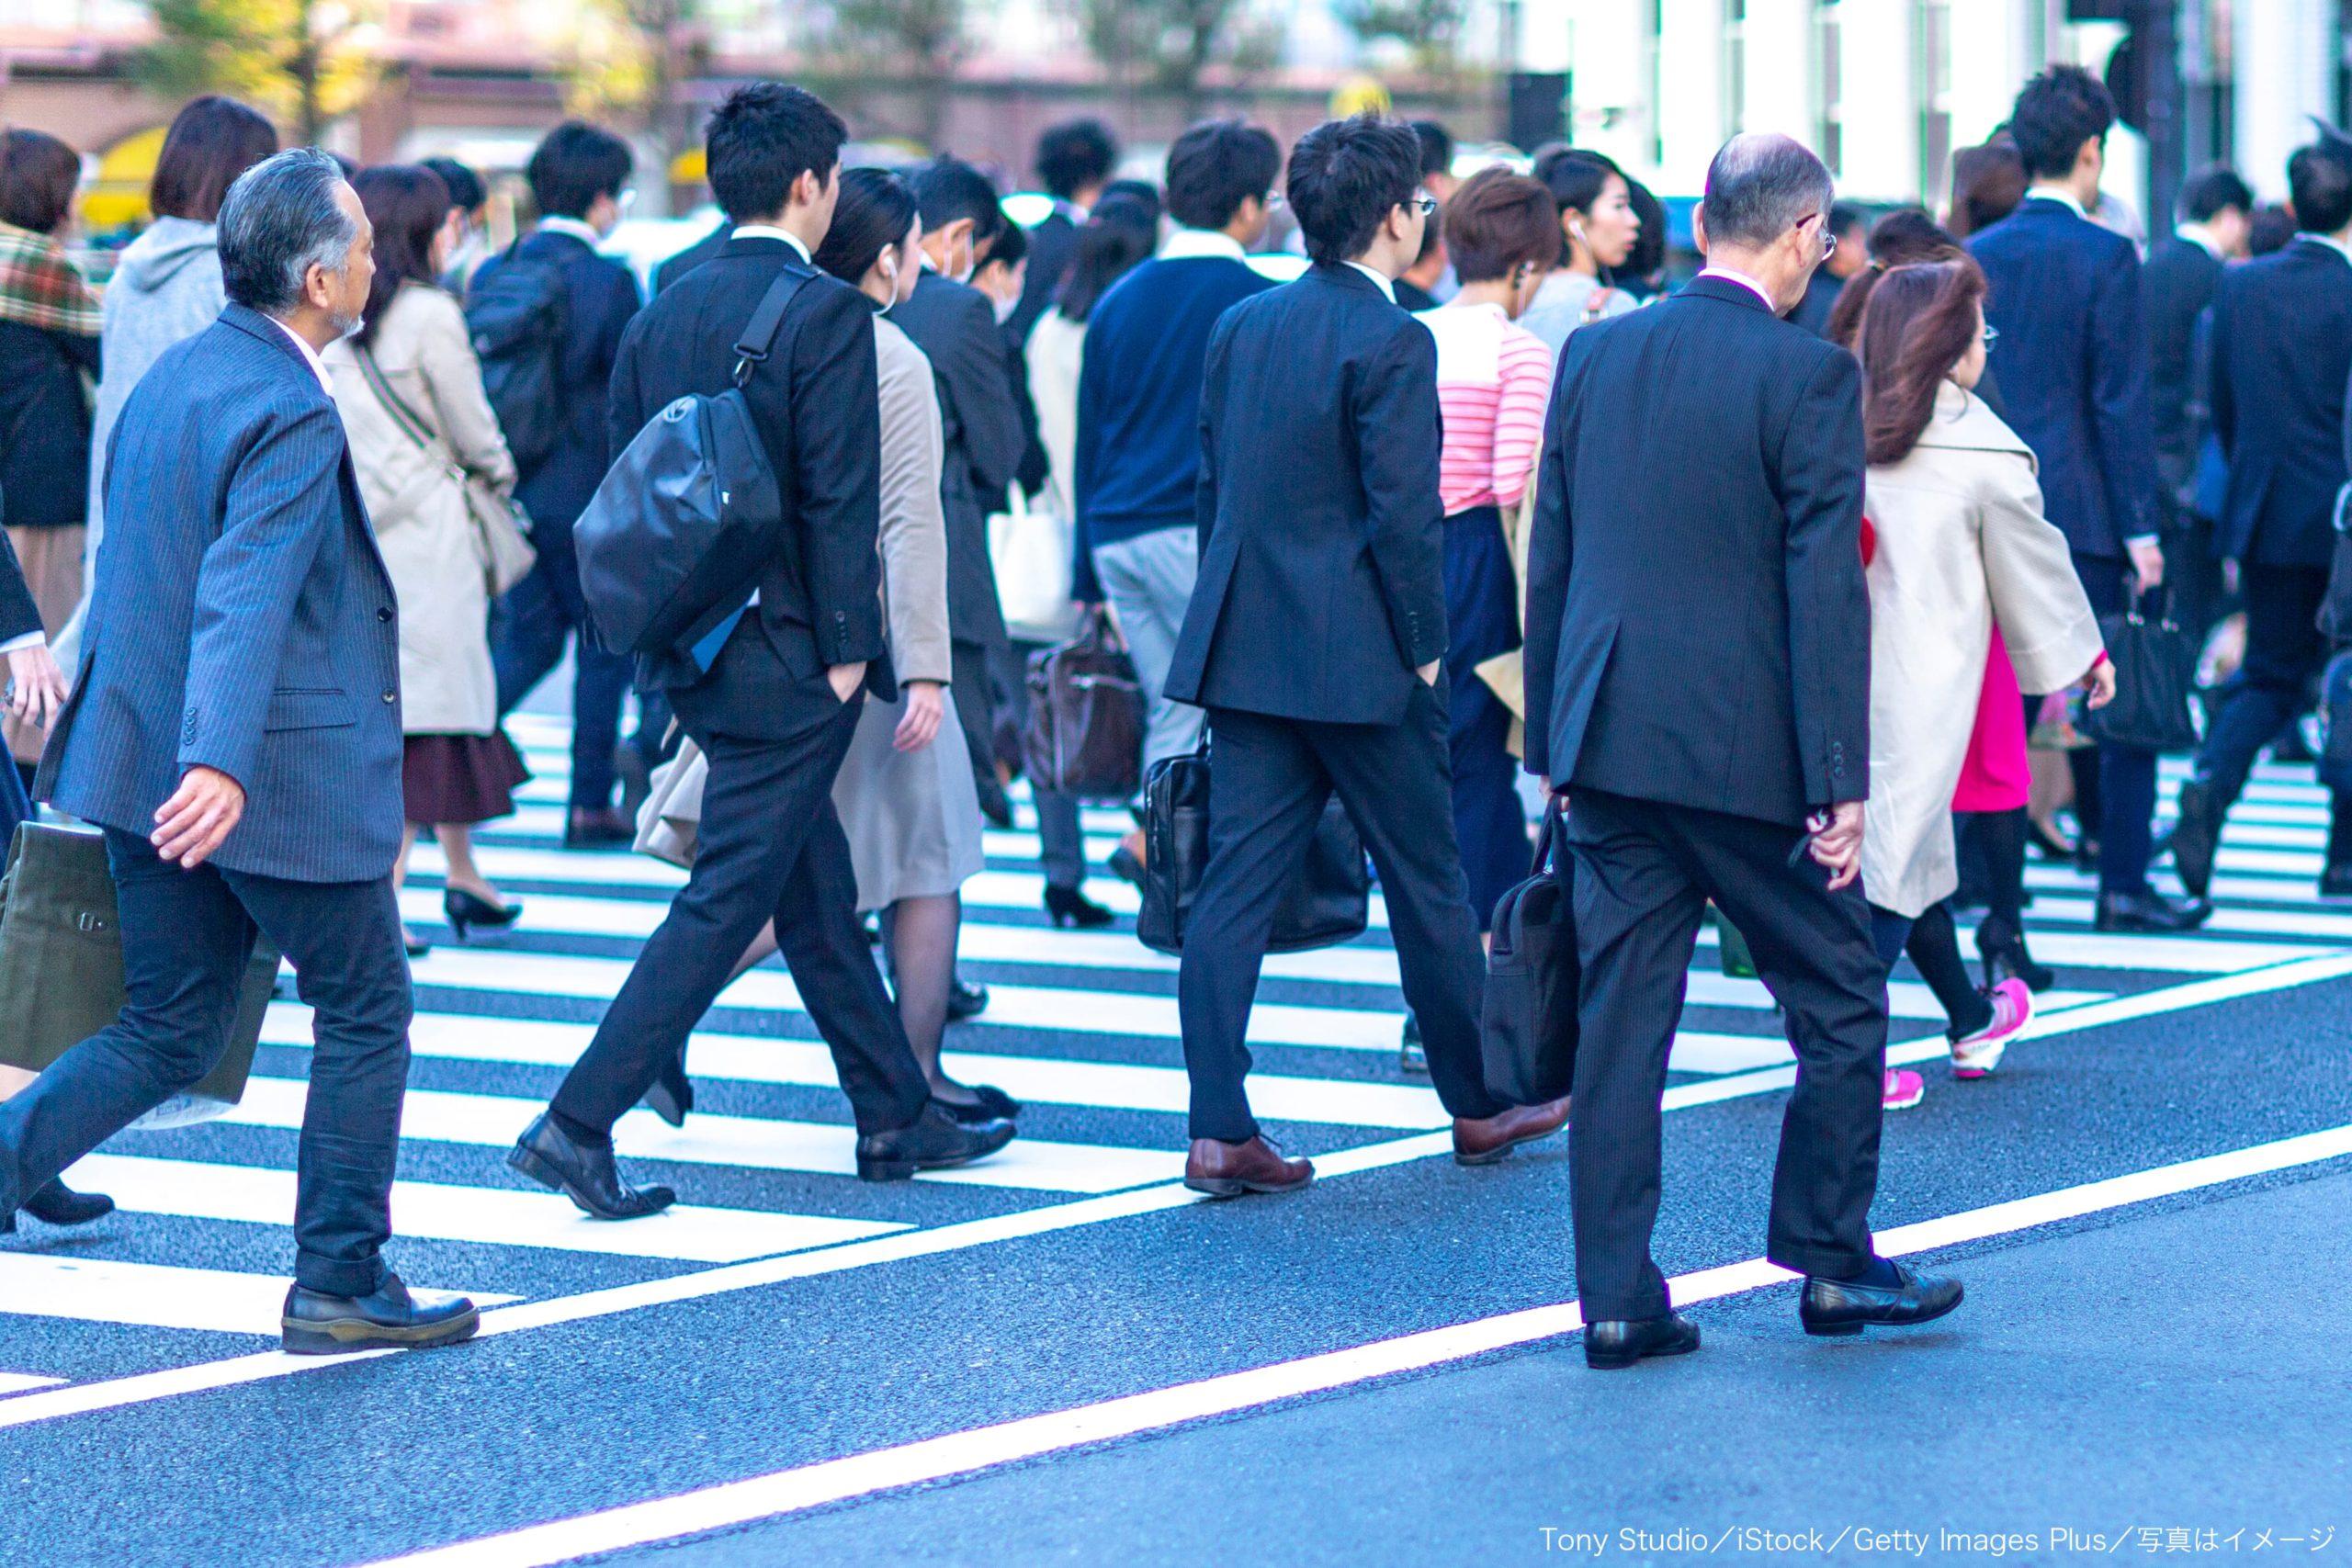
{"points": [[460, 779]]}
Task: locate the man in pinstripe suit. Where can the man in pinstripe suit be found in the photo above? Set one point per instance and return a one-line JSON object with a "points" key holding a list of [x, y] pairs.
{"points": [[236, 733]]}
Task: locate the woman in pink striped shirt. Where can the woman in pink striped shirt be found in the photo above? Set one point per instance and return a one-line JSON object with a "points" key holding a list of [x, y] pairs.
{"points": [[1494, 381]]}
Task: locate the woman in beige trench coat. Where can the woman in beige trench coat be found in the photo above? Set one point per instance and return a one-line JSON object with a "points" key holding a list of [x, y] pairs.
{"points": [[1955, 544], [422, 431]]}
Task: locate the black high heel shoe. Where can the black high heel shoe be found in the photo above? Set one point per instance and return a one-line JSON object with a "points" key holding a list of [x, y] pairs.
{"points": [[1069, 906], [2002, 950], [465, 910]]}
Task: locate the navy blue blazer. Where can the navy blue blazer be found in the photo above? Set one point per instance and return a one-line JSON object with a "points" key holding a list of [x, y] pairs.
{"points": [[240, 619], [2282, 350], [2075, 369], [602, 296], [1697, 626], [1321, 587], [2178, 281]]}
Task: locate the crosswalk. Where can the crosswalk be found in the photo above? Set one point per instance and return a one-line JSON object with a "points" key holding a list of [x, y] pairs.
{"points": [[1080, 1026]]}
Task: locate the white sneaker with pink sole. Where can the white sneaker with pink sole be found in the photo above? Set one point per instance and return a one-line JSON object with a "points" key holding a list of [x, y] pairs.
{"points": [[1976, 1055]]}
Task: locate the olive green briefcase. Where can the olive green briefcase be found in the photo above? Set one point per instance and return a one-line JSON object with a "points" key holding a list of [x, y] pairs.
{"points": [[61, 969]]}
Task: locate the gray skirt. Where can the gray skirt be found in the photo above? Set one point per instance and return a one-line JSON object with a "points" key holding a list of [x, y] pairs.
{"points": [[912, 817]]}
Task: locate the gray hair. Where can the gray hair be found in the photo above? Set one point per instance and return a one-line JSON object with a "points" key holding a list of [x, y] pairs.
{"points": [[279, 219], [1761, 186]]}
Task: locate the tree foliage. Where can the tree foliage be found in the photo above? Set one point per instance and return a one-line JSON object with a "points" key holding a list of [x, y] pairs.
{"points": [[1172, 43], [305, 61], [1432, 30]]}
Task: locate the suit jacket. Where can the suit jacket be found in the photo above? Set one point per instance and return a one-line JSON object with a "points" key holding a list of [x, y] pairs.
{"points": [[2179, 282], [954, 325], [240, 619], [2282, 349], [1321, 586], [602, 295], [693, 255], [1698, 628], [816, 404], [2073, 359], [1051, 245]]}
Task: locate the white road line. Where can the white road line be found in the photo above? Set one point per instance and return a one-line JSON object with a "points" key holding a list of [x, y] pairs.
{"points": [[151, 1295], [435, 1211], [983, 1448], [116, 1393], [749, 1143], [17, 1383]]}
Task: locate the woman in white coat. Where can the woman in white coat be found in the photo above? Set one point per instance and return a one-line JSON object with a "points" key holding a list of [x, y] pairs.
{"points": [[1955, 543], [422, 431]]}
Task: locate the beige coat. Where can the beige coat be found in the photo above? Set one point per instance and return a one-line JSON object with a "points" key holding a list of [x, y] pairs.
{"points": [[914, 526], [1962, 544], [416, 500]]}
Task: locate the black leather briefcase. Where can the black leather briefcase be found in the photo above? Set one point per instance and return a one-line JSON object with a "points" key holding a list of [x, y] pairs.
{"points": [[1529, 1033], [2156, 669], [1329, 900]]}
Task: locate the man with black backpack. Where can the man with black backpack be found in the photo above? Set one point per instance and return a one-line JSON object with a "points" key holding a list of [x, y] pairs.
{"points": [[768, 682], [547, 317]]}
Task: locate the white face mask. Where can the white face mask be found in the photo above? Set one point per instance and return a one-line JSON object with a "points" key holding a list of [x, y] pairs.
{"points": [[1005, 309]]}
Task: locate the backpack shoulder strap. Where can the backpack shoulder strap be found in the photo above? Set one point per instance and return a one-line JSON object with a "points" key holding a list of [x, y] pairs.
{"points": [[759, 332]]}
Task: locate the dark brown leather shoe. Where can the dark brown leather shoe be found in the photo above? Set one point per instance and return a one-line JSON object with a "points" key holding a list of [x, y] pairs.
{"points": [[1227, 1170], [1483, 1140]]}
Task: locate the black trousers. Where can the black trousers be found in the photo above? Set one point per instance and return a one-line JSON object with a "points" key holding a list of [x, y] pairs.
{"points": [[770, 846], [1642, 873], [1269, 782], [186, 938], [2126, 776], [2284, 654]]}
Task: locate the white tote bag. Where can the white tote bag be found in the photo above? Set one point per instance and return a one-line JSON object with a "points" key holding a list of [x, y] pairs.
{"points": [[1029, 546]]}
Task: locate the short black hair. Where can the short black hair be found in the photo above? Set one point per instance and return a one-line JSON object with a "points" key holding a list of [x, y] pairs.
{"points": [[2055, 113], [1076, 154], [1010, 247], [1142, 193], [2213, 191], [573, 165], [761, 140], [1844, 217], [38, 174], [950, 190], [466, 190], [1215, 167], [2274, 226], [2319, 186], [875, 212], [1437, 147], [1346, 177]]}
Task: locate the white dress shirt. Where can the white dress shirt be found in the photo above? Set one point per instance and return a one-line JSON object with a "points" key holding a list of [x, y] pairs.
{"points": [[310, 355], [2330, 241], [1386, 286], [1196, 244], [2199, 235], [770, 232], [583, 232], [2064, 198]]}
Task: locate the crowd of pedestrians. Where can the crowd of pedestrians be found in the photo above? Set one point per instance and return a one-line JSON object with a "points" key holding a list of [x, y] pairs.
{"points": [[1771, 582]]}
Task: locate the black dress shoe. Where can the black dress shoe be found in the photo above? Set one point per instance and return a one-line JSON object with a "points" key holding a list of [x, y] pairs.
{"points": [[416, 945], [465, 911], [989, 1104], [2150, 911], [598, 830], [1069, 906], [2196, 836], [2336, 882], [673, 1094], [966, 1001], [58, 1204], [995, 804], [1844, 1306], [316, 1324], [1611, 1344], [932, 1141], [588, 1177]]}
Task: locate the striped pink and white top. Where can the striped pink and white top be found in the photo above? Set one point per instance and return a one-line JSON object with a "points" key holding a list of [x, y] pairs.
{"points": [[1494, 382]]}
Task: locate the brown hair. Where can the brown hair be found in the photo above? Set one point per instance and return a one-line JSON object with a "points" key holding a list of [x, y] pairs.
{"points": [[406, 205], [211, 141], [1499, 221], [1901, 238], [1987, 183], [38, 174], [1917, 326]]}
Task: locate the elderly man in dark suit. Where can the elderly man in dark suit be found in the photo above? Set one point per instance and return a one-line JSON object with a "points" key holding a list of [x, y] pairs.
{"points": [[236, 732], [2282, 351], [775, 706], [2066, 297], [1313, 639], [1698, 682]]}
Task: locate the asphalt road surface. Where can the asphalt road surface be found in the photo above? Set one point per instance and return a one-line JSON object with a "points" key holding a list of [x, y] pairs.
{"points": [[1059, 1355]]}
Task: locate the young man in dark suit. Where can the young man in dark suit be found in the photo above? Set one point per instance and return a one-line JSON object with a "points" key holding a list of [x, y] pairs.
{"points": [[576, 175], [2074, 362], [236, 734], [775, 708], [1698, 684], [1075, 161], [2282, 351], [2180, 280], [1314, 640]]}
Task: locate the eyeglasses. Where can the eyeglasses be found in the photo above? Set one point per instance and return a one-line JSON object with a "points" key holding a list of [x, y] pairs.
{"points": [[1829, 238], [1427, 203]]}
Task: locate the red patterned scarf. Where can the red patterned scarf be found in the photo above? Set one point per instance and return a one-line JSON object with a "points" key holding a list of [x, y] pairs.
{"points": [[40, 287]]}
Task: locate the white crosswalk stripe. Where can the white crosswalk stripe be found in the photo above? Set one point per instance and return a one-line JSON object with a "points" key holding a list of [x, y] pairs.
{"points": [[1082, 1026]]}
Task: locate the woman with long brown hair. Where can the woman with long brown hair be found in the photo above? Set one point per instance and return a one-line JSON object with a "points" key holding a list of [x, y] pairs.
{"points": [[1955, 546]]}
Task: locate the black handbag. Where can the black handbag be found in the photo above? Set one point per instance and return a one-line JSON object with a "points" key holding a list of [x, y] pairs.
{"points": [[1329, 899], [2156, 669], [1083, 736], [1529, 1032]]}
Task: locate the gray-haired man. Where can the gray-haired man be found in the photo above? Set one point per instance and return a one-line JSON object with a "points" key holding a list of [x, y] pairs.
{"points": [[1698, 682], [236, 732]]}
